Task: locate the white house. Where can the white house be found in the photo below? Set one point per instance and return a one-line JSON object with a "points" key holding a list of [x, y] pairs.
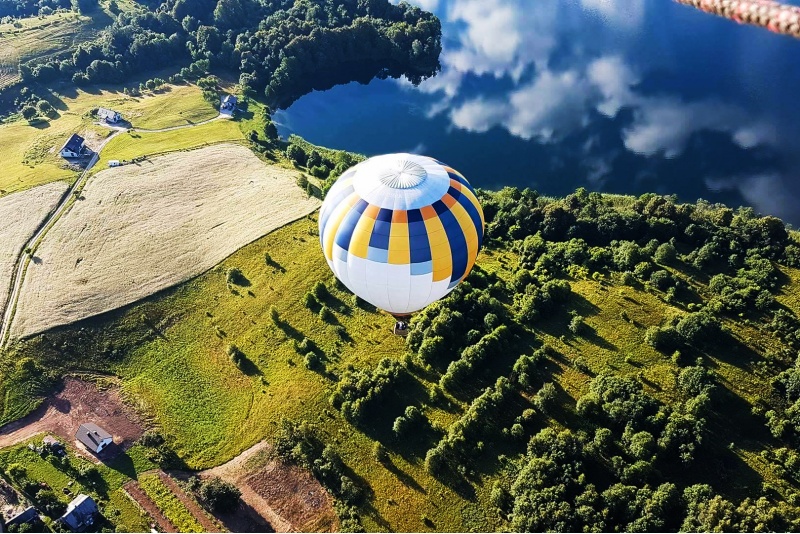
{"points": [[80, 514], [228, 103], [73, 148], [108, 115], [95, 438]]}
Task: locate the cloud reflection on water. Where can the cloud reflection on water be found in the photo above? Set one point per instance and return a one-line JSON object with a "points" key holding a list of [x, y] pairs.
{"points": [[560, 66]]}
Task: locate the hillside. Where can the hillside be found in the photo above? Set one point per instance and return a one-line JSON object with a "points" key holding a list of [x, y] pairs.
{"points": [[618, 339]]}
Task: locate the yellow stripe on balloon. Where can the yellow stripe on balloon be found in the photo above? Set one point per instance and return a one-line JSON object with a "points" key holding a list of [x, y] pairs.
{"points": [[441, 254], [335, 221]]}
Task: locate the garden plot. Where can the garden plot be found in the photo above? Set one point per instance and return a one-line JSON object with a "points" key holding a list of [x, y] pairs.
{"points": [[144, 227], [20, 215]]}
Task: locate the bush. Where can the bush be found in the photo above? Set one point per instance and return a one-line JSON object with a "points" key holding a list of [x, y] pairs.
{"points": [[313, 361], [151, 438], [219, 495], [29, 112], [320, 291], [234, 275], [326, 314], [576, 324]]}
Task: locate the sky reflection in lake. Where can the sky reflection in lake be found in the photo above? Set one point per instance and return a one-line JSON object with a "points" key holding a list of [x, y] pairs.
{"points": [[622, 96]]}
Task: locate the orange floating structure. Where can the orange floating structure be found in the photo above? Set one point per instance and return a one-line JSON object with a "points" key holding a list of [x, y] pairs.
{"points": [[774, 16]]}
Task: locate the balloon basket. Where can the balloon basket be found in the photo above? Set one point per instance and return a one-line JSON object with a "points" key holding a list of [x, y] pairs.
{"points": [[401, 325]]}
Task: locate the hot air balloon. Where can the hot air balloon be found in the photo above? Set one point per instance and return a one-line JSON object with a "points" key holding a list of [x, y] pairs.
{"points": [[401, 231]]}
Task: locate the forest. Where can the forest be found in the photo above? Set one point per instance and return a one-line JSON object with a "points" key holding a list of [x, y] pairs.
{"points": [[281, 49]]}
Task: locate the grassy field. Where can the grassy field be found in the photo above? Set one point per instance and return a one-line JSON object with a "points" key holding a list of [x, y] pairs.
{"points": [[177, 370], [31, 151], [131, 145], [105, 486], [168, 503]]}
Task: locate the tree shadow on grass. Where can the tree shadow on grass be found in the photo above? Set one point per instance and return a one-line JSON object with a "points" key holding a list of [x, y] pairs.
{"points": [[404, 478]]}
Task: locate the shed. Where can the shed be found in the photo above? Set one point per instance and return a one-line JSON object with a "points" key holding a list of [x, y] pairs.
{"points": [[108, 115], [229, 102], [95, 438], [73, 148], [80, 513], [28, 515]]}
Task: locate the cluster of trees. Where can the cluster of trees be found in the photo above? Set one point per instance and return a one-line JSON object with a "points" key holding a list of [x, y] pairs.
{"points": [[549, 491], [467, 437], [322, 163], [27, 8], [215, 494], [281, 48], [359, 390]]}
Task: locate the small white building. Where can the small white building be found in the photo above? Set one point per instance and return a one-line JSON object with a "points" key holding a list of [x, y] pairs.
{"points": [[108, 115], [228, 103], [114, 163], [80, 514], [73, 148], [95, 438]]}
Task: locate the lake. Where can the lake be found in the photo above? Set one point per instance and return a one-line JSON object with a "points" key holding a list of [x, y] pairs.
{"points": [[622, 96]]}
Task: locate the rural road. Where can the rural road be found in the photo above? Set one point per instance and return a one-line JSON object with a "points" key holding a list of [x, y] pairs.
{"points": [[23, 260]]}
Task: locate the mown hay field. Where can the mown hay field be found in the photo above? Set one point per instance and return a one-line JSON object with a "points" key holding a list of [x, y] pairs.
{"points": [[31, 150], [23, 213], [144, 227]]}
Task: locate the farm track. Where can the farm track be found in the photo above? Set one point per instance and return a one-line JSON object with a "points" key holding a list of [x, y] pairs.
{"points": [[67, 201], [137, 494], [197, 512]]}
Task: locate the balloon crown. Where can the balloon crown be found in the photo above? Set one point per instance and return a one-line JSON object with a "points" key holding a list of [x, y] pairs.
{"points": [[405, 175]]}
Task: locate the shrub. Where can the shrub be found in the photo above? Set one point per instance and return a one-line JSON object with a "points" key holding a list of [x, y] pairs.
{"points": [[326, 314], [151, 438], [320, 291], [309, 300], [29, 112], [313, 361], [219, 495], [234, 275], [576, 324]]}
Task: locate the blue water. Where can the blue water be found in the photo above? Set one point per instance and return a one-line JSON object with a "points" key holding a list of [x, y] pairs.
{"points": [[624, 96]]}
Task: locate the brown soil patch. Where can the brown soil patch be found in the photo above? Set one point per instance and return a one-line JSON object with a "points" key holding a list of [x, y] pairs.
{"points": [[146, 503], [288, 497], [145, 227], [78, 402]]}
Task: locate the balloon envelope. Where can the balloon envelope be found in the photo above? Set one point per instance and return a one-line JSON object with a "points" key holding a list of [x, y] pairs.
{"points": [[401, 230]]}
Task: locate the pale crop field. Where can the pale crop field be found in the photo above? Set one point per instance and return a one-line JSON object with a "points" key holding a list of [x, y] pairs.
{"points": [[145, 227], [21, 214]]}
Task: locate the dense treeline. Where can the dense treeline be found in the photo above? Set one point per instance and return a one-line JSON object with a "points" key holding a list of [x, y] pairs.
{"points": [[622, 464], [283, 48], [27, 8]]}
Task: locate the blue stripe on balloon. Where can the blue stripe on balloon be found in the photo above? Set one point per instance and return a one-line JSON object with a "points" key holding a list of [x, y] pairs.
{"points": [[377, 254], [345, 232], [458, 243], [420, 247], [384, 215], [382, 228], [423, 267], [379, 240]]}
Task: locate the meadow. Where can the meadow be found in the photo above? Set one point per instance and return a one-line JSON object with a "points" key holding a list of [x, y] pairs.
{"points": [[31, 149], [179, 341]]}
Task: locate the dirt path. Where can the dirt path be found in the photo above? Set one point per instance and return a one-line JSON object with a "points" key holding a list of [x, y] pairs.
{"points": [[285, 495], [78, 402], [146, 503], [208, 524]]}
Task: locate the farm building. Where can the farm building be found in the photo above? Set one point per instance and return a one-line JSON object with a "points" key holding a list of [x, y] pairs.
{"points": [[28, 515], [73, 148], [80, 513], [228, 103], [108, 115], [95, 438]]}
